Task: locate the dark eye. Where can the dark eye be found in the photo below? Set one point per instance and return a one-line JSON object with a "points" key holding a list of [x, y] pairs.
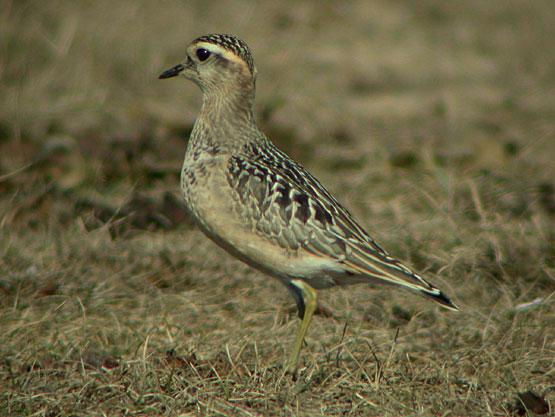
{"points": [[203, 54]]}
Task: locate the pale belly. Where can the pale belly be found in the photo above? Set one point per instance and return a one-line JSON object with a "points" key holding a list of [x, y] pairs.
{"points": [[214, 207]]}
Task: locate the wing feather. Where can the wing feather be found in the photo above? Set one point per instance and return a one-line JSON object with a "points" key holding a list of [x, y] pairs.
{"points": [[297, 211]]}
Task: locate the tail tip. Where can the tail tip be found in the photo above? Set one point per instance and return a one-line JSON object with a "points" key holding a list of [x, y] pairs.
{"points": [[442, 300]]}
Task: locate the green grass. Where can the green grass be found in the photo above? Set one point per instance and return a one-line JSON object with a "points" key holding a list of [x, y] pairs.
{"points": [[434, 122]]}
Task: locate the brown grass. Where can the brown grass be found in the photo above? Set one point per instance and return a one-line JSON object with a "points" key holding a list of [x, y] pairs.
{"points": [[434, 122]]}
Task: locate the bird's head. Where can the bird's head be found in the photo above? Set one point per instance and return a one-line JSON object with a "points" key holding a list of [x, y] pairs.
{"points": [[217, 63]]}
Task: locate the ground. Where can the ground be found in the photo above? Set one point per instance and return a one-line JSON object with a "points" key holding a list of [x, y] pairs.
{"points": [[432, 121]]}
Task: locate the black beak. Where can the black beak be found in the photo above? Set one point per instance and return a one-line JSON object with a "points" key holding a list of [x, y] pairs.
{"points": [[172, 72]]}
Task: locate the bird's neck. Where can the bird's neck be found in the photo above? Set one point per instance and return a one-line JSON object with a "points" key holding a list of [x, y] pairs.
{"points": [[226, 119], [228, 105]]}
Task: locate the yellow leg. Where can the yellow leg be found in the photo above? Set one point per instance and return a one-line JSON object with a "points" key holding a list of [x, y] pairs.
{"points": [[310, 299]]}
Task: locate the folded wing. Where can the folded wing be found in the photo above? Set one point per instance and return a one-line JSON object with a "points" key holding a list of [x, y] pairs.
{"points": [[288, 205]]}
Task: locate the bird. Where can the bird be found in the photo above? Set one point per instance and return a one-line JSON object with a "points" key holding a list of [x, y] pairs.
{"points": [[261, 206]]}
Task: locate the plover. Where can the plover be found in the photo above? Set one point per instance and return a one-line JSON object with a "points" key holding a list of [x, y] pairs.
{"points": [[263, 207]]}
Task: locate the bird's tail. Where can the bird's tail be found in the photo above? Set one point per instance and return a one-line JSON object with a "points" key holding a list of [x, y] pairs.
{"points": [[380, 268], [439, 298]]}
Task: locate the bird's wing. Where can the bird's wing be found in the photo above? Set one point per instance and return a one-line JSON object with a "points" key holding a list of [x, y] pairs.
{"points": [[290, 206]]}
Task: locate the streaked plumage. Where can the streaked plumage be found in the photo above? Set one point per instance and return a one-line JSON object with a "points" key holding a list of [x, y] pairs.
{"points": [[259, 204]]}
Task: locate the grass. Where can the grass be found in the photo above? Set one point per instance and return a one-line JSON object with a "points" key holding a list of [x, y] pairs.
{"points": [[433, 121]]}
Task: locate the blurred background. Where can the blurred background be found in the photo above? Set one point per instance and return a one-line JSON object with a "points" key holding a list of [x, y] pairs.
{"points": [[432, 121], [363, 90]]}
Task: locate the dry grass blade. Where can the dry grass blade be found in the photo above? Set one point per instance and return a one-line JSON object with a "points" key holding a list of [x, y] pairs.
{"points": [[431, 121]]}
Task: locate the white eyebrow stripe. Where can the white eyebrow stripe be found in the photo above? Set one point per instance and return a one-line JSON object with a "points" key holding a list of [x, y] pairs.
{"points": [[227, 54]]}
